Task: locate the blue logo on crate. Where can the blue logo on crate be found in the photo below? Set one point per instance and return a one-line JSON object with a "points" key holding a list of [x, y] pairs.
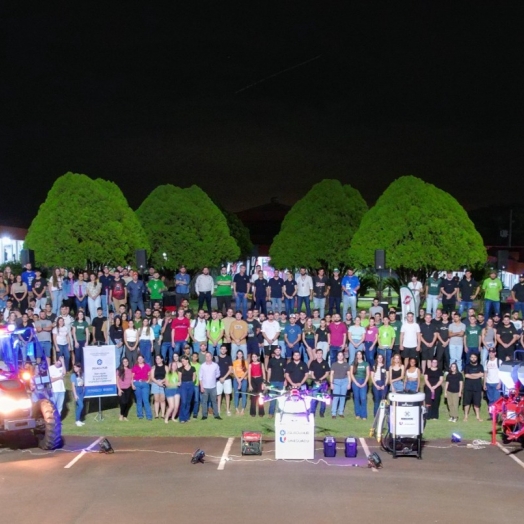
{"points": [[99, 362], [283, 436]]}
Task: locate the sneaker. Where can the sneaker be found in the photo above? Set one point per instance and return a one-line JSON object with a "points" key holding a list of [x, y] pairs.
{"points": [[322, 415], [341, 416], [229, 413], [195, 416], [79, 424], [218, 417], [204, 418], [451, 419], [454, 420], [333, 416]]}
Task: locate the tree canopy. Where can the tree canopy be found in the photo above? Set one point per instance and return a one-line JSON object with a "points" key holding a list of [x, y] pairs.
{"points": [[422, 229], [239, 232], [318, 229], [85, 222], [185, 227]]}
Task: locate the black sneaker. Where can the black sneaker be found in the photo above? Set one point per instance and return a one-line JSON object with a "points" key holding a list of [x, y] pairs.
{"points": [[195, 416], [218, 417], [204, 418], [322, 415]]}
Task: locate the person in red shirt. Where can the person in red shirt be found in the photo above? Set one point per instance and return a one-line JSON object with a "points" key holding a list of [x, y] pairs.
{"points": [[179, 332], [337, 334], [142, 389]]}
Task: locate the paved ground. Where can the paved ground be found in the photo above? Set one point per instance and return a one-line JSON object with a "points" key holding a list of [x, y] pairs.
{"points": [[152, 479]]}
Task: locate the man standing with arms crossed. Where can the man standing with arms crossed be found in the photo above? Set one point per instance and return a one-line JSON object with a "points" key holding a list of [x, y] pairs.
{"points": [[350, 287], [409, 339]]}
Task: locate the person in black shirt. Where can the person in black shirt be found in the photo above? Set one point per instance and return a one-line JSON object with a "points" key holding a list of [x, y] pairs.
{"points": [[468, 290], [507, 337], [442, 345], [453, 391], [260, 293], [334, 291], [449, 291], [428, 332], [296, 371], [99, 328], [319, 372], [275, 375], [320, 288], [517, 294], [433, 379], [253, 330], [241, 287], [474, 376], [224, 385], [290, 290], [275, 285]]}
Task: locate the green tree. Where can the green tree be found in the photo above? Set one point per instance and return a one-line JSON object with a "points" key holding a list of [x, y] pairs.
{"points": [[318, 229], [239, 232], [185, 227], [83, 223], [422, 229]]}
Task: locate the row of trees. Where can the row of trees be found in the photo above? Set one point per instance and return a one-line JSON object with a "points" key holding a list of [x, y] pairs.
{"points": [[421, 227], [85, 222], [89, 222]]}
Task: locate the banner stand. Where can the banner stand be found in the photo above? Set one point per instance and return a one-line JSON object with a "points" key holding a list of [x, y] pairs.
{"points": [[99, 417]]}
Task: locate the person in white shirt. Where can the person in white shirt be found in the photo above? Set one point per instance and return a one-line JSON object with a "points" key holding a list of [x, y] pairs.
{"points": [[270, 331], [416, 289], [492, 383], [304, 291], [204, 287], [410, 339], [57, 374], [198, 331]]}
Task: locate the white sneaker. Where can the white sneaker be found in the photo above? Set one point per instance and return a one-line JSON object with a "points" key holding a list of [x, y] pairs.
{"points": [[451, 419], [78, 423], [229, 413]]}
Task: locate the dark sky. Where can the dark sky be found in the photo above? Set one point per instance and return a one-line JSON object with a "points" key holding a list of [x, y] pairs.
{"points": [[147, 96]]}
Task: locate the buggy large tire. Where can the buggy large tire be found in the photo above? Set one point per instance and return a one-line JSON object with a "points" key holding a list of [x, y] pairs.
{"points": [[49, 435]]}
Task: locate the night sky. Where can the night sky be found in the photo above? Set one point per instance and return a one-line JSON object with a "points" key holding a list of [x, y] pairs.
{"points": [[154, 95]]}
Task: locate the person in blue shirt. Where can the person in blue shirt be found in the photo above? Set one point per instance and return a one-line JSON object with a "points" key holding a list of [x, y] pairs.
{"points": [[27, 277], [182, 280], [292, 336], [135, 292], [350, 287]]}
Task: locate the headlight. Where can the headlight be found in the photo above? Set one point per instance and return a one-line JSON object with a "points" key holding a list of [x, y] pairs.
{"points": [[8, 405]]}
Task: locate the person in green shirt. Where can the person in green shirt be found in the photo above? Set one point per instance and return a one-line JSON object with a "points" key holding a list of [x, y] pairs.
{"points": [[80, 332], [472, 338], [196, 397], [156, 286], [492, 287], [386, 340], [396, 325], [432, 293], [223, 290], [215, 333]]}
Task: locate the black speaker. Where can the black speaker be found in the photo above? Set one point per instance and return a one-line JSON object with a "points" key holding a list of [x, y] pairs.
{"points": [[27, 256], [141, 258], [380, 259], [502, 259]]}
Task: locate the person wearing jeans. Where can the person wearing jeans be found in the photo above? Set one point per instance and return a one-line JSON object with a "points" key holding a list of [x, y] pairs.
{"points": [[141, 386], [240, 382], [77, 384], [209, 374], [340, 384], [359, 379], [492, 383], [186, 378]]}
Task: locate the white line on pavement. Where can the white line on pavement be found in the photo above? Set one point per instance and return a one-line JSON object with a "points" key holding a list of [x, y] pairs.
{"points": [[511, 455], [227, 449], [366, 450], [82, 453]]}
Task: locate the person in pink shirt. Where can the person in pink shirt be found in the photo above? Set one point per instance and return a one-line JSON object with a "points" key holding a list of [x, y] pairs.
{"points": [[370, 342], [124, 383], [337, 334], [141, 386]]}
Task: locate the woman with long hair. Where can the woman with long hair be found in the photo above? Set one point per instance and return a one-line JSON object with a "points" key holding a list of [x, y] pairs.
{"points": [[412, 376], [172, 391], [256, 377], [26, 340], [141, 376], [80, 332], [433, 379], [62, 342], [359, 378], [77, 384], [131, 343], [20, 294], [488, 340], [124, 383], [158, 384], [340, 380], [68, 292], [396, 374], [186, 378], [146, 337], [94, 288], [240, 382], [453, 388], [4, 291], [116, 336], [55, 290], [308, 334], [379, 378]]}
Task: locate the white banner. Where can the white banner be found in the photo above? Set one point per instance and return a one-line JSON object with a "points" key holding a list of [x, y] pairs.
{"points": [[408, 302], [99, 371]]}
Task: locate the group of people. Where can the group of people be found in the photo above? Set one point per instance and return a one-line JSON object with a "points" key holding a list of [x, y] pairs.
{"points": [[213, 362]]}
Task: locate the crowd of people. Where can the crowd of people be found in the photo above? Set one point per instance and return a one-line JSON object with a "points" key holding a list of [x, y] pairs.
{"points": [[177, 364]]}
